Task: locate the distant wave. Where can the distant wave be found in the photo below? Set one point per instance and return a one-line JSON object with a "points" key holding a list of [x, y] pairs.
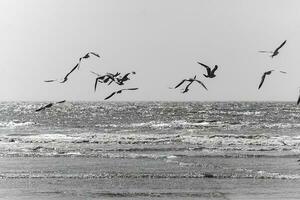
{"points": [[15, 124], [202, 124], [91, 144]]}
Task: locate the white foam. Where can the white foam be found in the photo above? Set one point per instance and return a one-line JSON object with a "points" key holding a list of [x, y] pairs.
{"points": [[15, 124], [274, 175]]}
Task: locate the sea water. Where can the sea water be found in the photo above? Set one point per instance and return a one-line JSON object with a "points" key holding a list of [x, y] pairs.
{"points": [[150, 150]]}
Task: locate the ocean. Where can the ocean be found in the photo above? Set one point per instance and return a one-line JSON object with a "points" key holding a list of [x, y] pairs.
{"points": [[150, 150]]}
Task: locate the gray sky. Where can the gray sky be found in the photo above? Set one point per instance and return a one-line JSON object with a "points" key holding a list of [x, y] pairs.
{"points": [[160, 40]]}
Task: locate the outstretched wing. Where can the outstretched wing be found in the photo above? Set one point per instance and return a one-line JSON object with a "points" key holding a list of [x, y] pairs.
{"points": [[207, 67], [44, 107], [96, 82], [95, 73], [280, 46], [52, 80], [186, 89], [39, 109], [213, 71], [179, 84], [130, 89], [61, 101], [112, 94], [265, 51], [66, 77], [262, 80], [201, 84], [298, 100], [95, 54], [283, 72]]}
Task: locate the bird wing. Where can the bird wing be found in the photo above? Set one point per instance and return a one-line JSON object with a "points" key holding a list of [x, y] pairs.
{"points": [[39, 109], [66, 77], [125, 76], [280, 46], [201, 84], [61, 101], [186, 89], [262, 80], [49, 105], [207, 67], [48, 81], [117, 74], [298, 100], [44, 107], [179, 84], [111, 82], [265, 51], [95, 54], [112, 94], [96, 82], [130, 89], [95, 73], [213, 71], [283, 72]]}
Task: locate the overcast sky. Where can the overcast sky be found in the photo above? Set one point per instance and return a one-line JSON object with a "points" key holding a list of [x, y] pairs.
{"points": [[159, 39]]}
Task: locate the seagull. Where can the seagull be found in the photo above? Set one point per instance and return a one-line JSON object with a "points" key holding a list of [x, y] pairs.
{"points": [[49, 105], [87, 56], [76, 66], [263, 77], [267, 73], [105, 78], [276, 52], [121, 80], [210, 73], [119, 92], [191, 80]]}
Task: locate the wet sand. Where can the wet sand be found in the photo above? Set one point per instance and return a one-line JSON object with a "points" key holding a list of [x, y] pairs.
{"points": [[100, 178]]}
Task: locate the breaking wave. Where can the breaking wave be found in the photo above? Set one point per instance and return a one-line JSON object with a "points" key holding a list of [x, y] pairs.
{"points": [[15, 124]]}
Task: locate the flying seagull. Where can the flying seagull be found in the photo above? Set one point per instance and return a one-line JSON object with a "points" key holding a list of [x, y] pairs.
{"points": [[263, 77], [265, 74], [191, 80], [276, 52], [66, 76], [49, 105], [105, 78], [119, 92], [122, 79], [76, 67], [210, 73], [87, 56]]}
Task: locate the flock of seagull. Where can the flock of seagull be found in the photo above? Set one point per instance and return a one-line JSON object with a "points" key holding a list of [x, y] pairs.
{"points": [[211, 72], [107, 78], [119, 79]]}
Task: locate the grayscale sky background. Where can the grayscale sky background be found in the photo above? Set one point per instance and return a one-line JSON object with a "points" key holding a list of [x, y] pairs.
{"points": [[159, 39]]}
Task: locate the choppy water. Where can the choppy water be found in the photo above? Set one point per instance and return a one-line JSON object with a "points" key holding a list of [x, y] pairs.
{"points": [[149, 143]]}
